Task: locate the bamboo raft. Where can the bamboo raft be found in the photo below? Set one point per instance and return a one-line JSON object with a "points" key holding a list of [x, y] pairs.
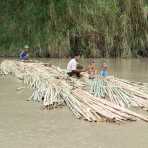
{"points": [[54, 88], [121, 92]]}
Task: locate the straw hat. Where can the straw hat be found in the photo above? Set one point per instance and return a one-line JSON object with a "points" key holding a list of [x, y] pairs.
{"points": [[26, 47]]}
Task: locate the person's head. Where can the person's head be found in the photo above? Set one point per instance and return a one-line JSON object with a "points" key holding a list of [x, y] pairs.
{"points": [[77, 56], [104, 66], [92, 61], [26, 48]]}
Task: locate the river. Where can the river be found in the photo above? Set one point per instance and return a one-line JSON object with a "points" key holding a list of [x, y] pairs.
{"points": [[24, 125]]}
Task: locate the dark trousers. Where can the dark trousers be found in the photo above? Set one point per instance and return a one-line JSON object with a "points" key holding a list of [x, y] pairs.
{"points": [[74, 73]]}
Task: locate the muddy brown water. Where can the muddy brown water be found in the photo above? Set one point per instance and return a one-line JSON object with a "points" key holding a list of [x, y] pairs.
{"points": [[24, 125]]}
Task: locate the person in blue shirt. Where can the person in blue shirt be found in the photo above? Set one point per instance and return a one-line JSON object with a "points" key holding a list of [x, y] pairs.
{"points": [[24, 54], [104, 72]]}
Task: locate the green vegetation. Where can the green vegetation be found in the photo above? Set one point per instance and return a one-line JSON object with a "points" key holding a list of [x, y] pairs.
{"points": [[57, 28]]}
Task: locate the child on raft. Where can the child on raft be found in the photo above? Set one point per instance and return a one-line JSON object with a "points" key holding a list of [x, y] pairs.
{"points": [[92, 70], [104, 70]]}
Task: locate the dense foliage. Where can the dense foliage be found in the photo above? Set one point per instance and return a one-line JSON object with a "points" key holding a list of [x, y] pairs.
{"points": [[57, 28]]}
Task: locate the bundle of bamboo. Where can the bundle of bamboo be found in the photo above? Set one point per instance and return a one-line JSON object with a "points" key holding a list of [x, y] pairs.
{"points": [[51, 86], [121, 92], [40, 78], [44, 80], [96, 108]]}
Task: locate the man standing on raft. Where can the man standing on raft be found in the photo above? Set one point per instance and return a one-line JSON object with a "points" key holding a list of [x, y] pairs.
{"points": [[73, 68]]}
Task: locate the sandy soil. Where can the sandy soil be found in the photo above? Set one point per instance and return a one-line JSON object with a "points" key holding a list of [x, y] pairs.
{"points": [[24, 125]]}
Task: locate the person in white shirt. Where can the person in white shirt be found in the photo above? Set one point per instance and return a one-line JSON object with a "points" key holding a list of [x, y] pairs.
{"points": [[72, 66]]}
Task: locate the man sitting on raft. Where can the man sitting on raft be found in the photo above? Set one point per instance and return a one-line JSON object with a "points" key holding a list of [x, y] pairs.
{"points": [[104, 72], [73, 68], [92, 70], [24, 54]]}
